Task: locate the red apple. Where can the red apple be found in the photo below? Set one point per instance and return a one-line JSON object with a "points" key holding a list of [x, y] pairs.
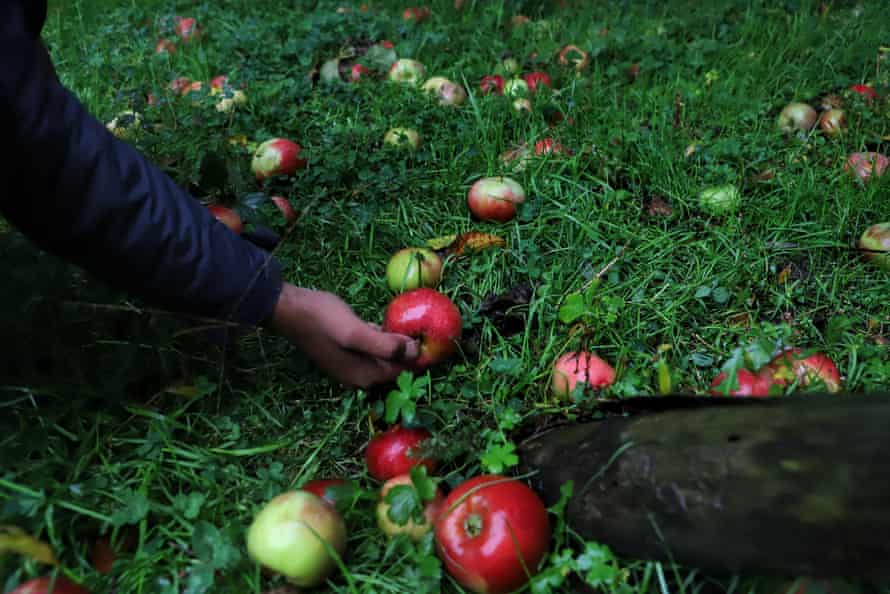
{"points": [[227, 217], [322, 488], [430, 316], [219, 82], [580, 367], [180, 84], [291, 536], [864, 165], [495, 198], [165, 46], [572, 55], [833, 122], [396, 451], [416, 14], [42, 585], [411, 268], [875, 243], [284, 205], [412, 529], [358, 71], [536, 79], [277, 156], [790, 366], [866, 91], [797, 117], [750, 384], [187, 28], [386, 43], [548, 146], [407, 71], [492, 83], [193, 87]]}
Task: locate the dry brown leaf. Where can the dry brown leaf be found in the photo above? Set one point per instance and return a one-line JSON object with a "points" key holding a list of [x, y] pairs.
{"points": [[476, 241], [15, 540], [440, 243]]}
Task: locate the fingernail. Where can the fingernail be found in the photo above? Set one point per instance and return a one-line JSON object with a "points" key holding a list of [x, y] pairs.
{"points": [[412, 349]]}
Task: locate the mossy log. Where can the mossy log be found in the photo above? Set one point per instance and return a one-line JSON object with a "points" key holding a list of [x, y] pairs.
{"points": [[782, 486]]}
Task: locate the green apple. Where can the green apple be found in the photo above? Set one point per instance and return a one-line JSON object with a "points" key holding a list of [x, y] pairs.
{"points": [[875, 243], [407, 71], [402, 137], [720, 200], [294, 534], [516, 87], [411, 268]]}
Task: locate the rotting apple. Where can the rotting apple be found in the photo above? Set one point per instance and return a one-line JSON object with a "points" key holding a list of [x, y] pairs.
{"points": [[492, 534], [407, 71], [720, 200], [749, 384], [285, 207], [291, 535], [492, 83], [572, 55], [447, 91], [833, 122], [396, 451], [126, 125], [812, 370], [414, 530], [875, 245], [516, 87], [580, 367], [495, 198], [413, 267], [516, 158], [797, 117], [165, 46], [429, 316], [46, 584], [402, 138], [325, 488], [867, 166], [536, 79], [227, 217], [277, 156]]}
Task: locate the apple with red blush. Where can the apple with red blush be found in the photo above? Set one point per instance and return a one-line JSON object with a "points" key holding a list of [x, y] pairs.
{"points": [[429, 316], [495, 198], [580, 367], [277, 156]]}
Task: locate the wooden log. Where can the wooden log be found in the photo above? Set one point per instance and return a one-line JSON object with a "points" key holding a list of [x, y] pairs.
{"points": [[782, 486]]}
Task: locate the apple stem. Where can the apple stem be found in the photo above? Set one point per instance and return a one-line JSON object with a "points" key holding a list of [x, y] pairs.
{"points": [[473, 525]]}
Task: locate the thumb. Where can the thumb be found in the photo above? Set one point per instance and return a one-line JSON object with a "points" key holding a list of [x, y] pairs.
{"points": [[383, 345]]}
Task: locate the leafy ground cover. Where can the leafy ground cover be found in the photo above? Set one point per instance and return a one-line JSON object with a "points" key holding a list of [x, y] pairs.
{"points": [[121, 419]]}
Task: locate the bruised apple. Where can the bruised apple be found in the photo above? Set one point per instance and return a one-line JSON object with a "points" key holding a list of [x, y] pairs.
{"points": [[572, 55], [579, 367], [411, 268], [412, 529], [291, 536], [277, 156], [495, 198], [429, 316], [549, 146], [875, 245]]}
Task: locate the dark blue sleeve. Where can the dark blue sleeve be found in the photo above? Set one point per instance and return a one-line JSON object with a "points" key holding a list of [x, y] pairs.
{"points": [[81, 193]]}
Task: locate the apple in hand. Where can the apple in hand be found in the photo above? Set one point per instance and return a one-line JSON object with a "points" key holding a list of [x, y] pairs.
{"points": [[866, 165], [402, 138], [492, 83], [407, 71], [813, 370], [429, 316], [289, 536], [411, 268], [750, 384], [227, 217], [414, 530], [875, 243], [495, 198], [797, 117], [580, 367], [396, 451], [277, 156], [42, 585]]}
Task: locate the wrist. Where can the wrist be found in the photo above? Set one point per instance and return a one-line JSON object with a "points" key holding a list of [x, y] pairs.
{"points": [[291, 301]]}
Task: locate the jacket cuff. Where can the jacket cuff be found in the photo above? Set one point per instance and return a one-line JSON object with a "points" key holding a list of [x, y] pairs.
{"points": [[257, 305]]}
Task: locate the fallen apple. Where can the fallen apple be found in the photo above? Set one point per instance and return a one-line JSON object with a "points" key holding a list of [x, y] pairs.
{"points": [[797, 117], [218, 83], [522, 105], [187, 28], [291, 536], [416, 14], [179, 85], [509, 66], [46, 585], [411, 268], [519, 20], [866, 166], [580, 367], [165, 46], [535, 80], [406, 71], [495, 198], [231, 99], [833, 122], [572, 55], [815, 369], [516, 158], [402, 138], [448, 92], [516, 87], [866, 91], [720, 200], [396, 451], [414, 530], [227, 217], [749, 384], [875, 245], [429, 316], [284, 205], [277, 156], [325, 488], [492, 83], [358, 71], [330, 71], [549, 146], [127, 125]]}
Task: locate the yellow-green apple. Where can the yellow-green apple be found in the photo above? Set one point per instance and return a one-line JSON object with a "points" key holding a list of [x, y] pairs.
{"points": [[402, 138], [277, 156], [522, 104], [495, 198], [579, 367], [797, 117], [507, 66], [516, 87], [833, 122], [720, 200], [291, 536], [412, 529], [429, 316], [413, 267], [448, 92], [875, 245], [407, 71]]}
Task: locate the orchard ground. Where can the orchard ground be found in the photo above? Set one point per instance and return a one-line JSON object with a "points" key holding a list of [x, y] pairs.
{"points": [[116, 416]]}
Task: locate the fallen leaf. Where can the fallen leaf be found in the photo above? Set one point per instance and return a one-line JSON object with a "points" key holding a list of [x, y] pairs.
{"points": [[458, 245], [440, 243], [657, 206], [15, 540]]}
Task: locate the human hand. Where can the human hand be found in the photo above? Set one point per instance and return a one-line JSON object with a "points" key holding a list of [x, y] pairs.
{"points": [[347, 348]]}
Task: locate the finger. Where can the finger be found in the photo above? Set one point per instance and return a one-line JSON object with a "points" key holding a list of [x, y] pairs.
{"points": [[383, 345]]}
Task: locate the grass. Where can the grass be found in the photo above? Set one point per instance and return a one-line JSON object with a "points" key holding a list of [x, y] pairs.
{"points": [[116, 417]]}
